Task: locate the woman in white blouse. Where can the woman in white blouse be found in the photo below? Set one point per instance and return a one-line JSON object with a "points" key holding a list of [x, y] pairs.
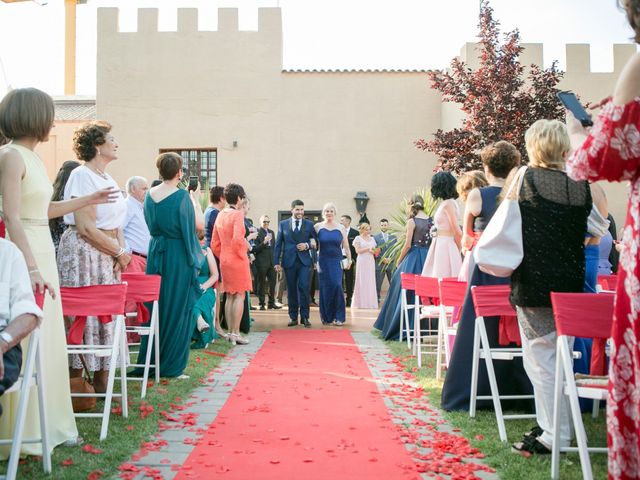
{"points": [[92, 250]]}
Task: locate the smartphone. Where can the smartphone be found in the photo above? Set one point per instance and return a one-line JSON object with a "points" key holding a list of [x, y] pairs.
{"points": [[193, 183], [571, 103]]}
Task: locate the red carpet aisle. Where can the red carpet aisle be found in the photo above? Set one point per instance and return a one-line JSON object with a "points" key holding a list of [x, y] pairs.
{"points": [[305, 408]]}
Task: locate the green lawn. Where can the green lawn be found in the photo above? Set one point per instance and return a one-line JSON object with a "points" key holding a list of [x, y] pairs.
{"points": [[125, 434], [498, 455]]}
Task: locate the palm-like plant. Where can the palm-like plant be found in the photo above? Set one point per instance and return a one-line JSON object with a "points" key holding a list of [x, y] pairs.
{"points": [[398, 224]]}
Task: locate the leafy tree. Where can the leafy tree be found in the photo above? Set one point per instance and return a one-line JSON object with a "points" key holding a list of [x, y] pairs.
{"points": [[501, 99]]}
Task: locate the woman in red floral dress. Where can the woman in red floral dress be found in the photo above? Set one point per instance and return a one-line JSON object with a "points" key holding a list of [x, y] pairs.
{"points": [[611, 151]]}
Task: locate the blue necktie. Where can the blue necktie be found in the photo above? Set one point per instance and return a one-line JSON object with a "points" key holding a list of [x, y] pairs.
{"points": [[297, 226]]}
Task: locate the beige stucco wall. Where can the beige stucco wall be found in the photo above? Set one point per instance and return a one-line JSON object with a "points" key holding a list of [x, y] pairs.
{"points": [[320, 136], [59, 147]]}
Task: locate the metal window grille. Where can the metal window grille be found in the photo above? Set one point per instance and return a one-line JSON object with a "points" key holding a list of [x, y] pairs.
{"points": [[201, 162]]}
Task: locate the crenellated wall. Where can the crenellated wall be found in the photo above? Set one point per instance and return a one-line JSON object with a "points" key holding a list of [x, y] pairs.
{"points": [[320, 136]]}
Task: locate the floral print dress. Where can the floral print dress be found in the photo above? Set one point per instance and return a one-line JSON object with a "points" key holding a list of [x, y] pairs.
{"points": [[612, 152]]}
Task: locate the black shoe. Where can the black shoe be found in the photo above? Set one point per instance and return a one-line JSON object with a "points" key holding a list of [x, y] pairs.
{"points": [[313, 302], [535, 432], [274, 307], [292, 323], [530, 445], [306, 323], [262, 307]]}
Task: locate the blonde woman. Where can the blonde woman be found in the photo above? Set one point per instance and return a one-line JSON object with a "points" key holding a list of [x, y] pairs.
{"points": [[364, 293], [332, 242]]}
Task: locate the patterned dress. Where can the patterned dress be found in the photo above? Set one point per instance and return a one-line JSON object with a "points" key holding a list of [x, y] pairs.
{"points": [[612, 152]]}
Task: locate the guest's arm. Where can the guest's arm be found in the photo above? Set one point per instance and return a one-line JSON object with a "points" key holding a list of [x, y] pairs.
{"points": [[472, 208], [411, 226], [452, 216], [62, 207], [213, 271], [194, 195], [86, 225]]}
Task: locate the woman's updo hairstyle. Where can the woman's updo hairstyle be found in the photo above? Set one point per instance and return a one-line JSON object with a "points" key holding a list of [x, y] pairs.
{"points": [[416, 203]]}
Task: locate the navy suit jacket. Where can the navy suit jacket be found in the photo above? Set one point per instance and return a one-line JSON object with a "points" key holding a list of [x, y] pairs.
{"points": [[285, 250], [381, 243]]}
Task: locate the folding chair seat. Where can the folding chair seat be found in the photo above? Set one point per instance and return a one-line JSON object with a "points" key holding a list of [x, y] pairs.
{"points": [[408, 283], [492, 301], [427, 303], [31, 376], [144, 288], [587, 315], [103, 301], [452, 295]]}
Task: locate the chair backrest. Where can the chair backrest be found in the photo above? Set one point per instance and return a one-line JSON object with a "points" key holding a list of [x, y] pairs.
{"points": [[492, 300], [588, 315], [142, 287], [94, 300], [408, 281], [452, 292], [608, 282], [427, 287]]}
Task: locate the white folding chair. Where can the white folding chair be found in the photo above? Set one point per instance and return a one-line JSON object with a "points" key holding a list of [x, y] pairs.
{"points": [[31, 376], [144, 288], [427, 338], [100, 300], [492, 301], [587, 315], [408, 283], [452, 295]]}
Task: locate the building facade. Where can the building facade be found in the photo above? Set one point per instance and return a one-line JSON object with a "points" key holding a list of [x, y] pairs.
{"points": [[223, 100]]}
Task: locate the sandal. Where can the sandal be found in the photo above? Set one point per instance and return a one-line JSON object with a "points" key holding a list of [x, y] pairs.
{"points": [[530, 446]]}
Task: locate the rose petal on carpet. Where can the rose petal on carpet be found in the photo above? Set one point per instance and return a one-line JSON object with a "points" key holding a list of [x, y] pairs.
{"points": [[306, 407]]}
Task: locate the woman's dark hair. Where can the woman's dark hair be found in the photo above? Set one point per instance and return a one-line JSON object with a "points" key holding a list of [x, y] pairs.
{"points": [[216, 193], [169, 164], [443, 185], [416, 202], [59, 183], [632, 7], [88, 137], [26, 112], [233, 192], [155, 183], [500, 158]]}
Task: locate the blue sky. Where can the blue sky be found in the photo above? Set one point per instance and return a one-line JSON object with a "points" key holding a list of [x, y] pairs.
{"points": [[317, 33]]}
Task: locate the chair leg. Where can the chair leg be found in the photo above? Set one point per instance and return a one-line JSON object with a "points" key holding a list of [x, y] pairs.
{"points": [[442, 318], [123, 372], [115, 353], [156, 337], [417, 339], [474, 369], [596, 409], [42, 409], [495, 395], [557, 398], [402, 319], [147, 360], [18, 429]]}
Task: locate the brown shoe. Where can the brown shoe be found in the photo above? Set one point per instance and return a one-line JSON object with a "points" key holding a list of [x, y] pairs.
{"points": [[100, 380]]}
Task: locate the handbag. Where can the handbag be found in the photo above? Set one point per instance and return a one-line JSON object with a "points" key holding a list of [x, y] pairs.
{"points": [[499, 251], [82, 384]]}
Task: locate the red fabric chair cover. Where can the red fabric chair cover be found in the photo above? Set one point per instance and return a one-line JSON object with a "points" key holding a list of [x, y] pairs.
{"points": [[408, 281], [3, 231], [493, 301], [452, 292], [608, 282], [588, 315], [142, 288], [100, 301], [428, 290]]}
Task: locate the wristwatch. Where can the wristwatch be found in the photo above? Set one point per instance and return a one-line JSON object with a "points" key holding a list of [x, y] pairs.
{"points": [[6, 336]]}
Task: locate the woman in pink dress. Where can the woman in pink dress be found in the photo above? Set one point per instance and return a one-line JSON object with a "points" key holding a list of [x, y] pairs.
{"points": [[611, 151], [364, 292], [444, 259]]}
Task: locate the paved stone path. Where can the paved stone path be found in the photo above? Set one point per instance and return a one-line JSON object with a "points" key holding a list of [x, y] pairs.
{"points": [[416, 422]]}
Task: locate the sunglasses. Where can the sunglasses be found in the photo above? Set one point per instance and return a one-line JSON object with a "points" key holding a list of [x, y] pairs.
{"points": [[266, 221]]}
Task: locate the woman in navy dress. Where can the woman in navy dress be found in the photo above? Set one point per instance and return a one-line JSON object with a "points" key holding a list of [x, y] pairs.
{"points": [[332, 241], [411, 260], [498, 160]]}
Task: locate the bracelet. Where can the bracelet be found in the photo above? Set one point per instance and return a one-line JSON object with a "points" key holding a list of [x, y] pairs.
{"points": [[120, 253], [34, 270]]}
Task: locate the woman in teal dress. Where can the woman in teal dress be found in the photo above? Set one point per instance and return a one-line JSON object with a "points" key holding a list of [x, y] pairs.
{"points": [[174, 254], [203, 311]]}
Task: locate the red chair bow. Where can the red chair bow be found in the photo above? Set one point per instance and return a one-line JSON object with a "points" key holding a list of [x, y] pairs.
{"points": [[493, 301], [100, 301]]}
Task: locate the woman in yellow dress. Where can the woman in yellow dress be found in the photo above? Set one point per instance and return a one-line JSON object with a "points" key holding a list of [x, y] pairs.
{"points": [[26, 118]]}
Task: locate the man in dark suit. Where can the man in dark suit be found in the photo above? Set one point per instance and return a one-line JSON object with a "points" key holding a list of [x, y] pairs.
{"points": [[350, 274], [384, 241], [263, 251], [296, 236]]}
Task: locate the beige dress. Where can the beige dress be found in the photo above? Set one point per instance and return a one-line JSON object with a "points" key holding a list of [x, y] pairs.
{"points": [[36, 194]]}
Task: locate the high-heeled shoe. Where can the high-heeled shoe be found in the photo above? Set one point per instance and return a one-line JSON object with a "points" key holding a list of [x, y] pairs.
{"points": [[222, 334], [237, 339]]}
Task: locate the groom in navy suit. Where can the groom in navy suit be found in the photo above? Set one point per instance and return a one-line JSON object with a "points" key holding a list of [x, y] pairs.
{"points": [[296, 236]]}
